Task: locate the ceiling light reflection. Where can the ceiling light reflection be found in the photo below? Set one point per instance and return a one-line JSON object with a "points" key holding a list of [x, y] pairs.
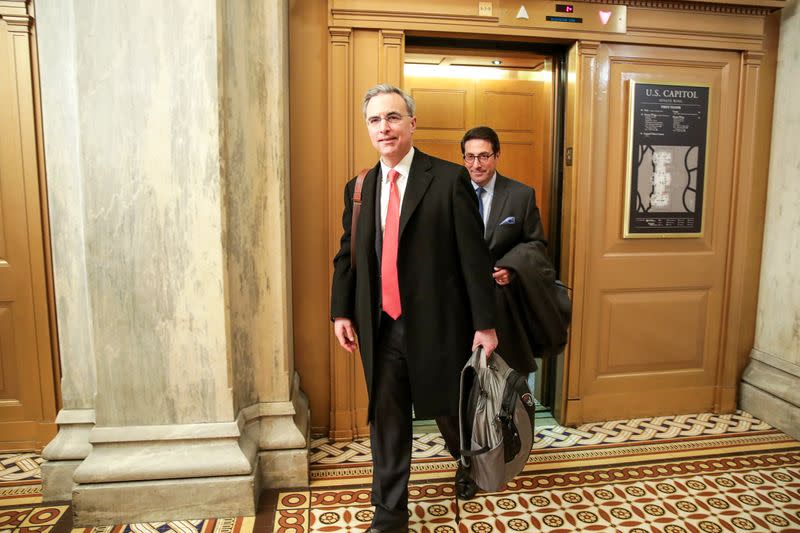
{"points": [[465, 72]]}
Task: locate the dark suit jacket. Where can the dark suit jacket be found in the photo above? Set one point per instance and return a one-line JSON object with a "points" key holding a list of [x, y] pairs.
{"points": [[507, 237], [444, 272]]}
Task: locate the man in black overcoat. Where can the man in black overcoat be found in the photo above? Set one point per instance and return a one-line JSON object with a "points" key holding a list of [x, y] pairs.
{"points": [[515, 237], [419, 298]]}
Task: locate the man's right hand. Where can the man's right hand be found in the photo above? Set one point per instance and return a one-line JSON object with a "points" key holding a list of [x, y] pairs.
{"points": [[343, 328]]}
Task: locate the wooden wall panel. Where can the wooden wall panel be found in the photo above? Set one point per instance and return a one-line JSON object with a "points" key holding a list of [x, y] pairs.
{"points": [[367, 54], [511, 111], [392, 47], [673, 332], [441, 109], [665, 277], [519, 110], [356, 59], [311, 195], [449, 150], [341, 421], [27, 380]]}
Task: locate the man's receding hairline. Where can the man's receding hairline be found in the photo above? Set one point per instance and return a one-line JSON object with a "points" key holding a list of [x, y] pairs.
{"points": [[386, 88]]}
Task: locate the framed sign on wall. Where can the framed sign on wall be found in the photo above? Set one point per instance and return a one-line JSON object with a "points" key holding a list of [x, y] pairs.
{"points": [[667, 145]]}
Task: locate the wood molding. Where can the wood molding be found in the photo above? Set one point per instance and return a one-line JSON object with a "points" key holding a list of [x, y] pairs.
{"points": [[17, 14], [695, 24], [588, 48], [55, 348], [753, 58], [392, 46], [751, 165], [18, 23], [583, 160], [752, 8], [340, 35], [15, 7], [389, 15], [340, 78]]}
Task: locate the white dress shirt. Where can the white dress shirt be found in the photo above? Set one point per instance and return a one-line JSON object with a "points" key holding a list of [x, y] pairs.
{"points": [[487, 198], [403, 168]]}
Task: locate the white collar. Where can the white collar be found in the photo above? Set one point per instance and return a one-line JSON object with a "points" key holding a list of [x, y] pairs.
{"points": [[403, 167], [489, 187]]}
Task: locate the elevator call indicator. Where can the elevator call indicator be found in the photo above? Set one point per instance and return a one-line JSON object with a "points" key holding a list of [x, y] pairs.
{"points": [[575, 20], [561, 15]]}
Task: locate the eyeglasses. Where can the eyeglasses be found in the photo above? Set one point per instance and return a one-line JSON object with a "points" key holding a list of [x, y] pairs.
{"points": [[391, 118], [483, 158]]}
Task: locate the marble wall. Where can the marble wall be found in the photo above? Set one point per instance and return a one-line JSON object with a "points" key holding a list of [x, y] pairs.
{"points": [[166, 135], [65, 178], [778, 323], [149, 134], [255, 151], [255, 119]]}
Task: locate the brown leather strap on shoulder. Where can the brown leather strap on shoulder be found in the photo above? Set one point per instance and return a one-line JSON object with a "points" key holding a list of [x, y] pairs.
{"points": [[356, 213]]}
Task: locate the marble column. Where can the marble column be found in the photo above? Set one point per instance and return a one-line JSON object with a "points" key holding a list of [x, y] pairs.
{"points": [[167, 124], [65, 195], [770, 386], [255, 83]]}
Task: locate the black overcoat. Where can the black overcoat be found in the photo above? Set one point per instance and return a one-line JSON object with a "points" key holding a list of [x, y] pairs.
{"points": [[444, 273], [516, 239]]}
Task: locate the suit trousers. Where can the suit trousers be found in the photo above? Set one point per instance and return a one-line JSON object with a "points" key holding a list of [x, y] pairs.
{"points": [[391, 427]]}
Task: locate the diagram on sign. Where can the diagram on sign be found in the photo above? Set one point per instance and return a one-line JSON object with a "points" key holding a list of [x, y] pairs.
{"points": [[667, 179]]}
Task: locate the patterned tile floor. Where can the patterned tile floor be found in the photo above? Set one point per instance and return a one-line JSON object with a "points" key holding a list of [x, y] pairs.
{"points": [[694, 473]]}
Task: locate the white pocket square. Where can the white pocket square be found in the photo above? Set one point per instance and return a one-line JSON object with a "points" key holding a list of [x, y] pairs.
{"points": [[508, 220]]}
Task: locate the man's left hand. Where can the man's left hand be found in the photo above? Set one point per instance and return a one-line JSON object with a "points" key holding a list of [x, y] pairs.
{"points": [[502, 276], [486, 338]]}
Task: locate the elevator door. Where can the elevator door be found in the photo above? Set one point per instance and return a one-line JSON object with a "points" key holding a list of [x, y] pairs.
{"points": [[456, 92]]}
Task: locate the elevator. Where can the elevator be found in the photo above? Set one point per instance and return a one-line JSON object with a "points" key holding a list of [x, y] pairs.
{"points": [[516, 89]]}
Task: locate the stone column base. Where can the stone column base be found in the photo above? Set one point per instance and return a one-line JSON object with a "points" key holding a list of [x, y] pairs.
{"points": [[57, 481], [283, 440], [152, 473], [65, 452], [283, 468], [770, 391], [147, 501]]}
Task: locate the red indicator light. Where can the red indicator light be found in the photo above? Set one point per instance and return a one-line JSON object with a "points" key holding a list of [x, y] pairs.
{"points": [[565, 8]]}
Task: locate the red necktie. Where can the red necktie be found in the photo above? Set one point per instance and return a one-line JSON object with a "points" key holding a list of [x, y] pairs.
{"points": [[390, 288]]}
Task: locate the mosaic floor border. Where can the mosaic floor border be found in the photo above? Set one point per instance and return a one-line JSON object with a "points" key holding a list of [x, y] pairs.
{"points": [[241, 524], [348, 473], [324, 452], [25, 493], [18, 467]]}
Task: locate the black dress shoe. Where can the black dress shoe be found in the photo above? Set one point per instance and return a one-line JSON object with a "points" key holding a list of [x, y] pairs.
{"points": [[393, 529], [465, 485]]}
